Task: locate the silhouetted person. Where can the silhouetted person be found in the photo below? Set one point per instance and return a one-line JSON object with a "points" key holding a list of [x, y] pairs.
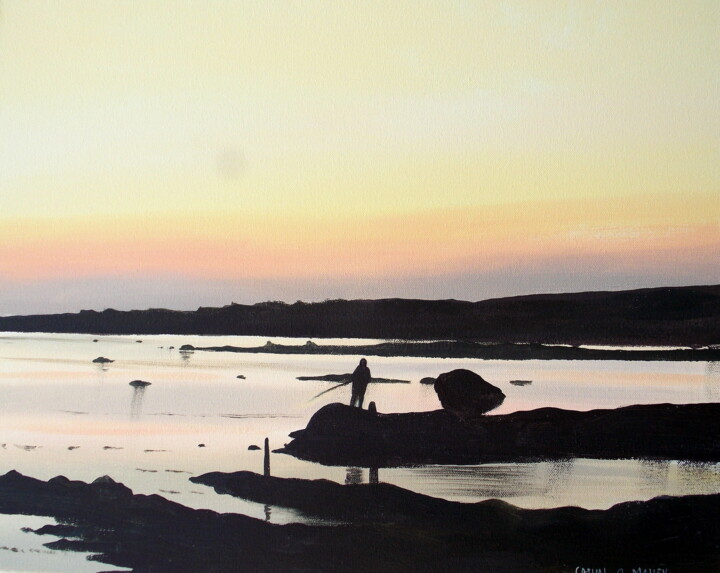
{"points": [[360, 380]]}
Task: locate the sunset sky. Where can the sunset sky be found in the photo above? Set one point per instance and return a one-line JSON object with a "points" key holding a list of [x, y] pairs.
{"points": [[179, 154]]}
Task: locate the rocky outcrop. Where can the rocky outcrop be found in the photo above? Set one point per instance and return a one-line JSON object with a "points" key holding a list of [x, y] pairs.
{"points": [[339, 435], [466, 395], [385, 529]]}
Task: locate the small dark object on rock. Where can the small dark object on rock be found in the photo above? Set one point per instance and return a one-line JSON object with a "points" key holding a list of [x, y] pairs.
{"points": [[466, 395], [102, 360], [427, 380], [253, 448], [240, 376], [139, 383]]}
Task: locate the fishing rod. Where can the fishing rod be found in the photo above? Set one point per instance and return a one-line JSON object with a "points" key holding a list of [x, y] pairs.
{"points": [[331, 389]]}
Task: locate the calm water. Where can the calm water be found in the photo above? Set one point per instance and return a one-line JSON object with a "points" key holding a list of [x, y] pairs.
{"points": [[62, 414]]}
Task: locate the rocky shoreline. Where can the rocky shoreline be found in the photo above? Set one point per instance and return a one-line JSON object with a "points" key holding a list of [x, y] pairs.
{"points": [[340, 435], [391, 529], [462, 349]]}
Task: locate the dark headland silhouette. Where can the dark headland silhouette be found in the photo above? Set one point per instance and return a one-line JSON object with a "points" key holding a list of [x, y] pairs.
{"points": [[390, 529], [673, 316]]}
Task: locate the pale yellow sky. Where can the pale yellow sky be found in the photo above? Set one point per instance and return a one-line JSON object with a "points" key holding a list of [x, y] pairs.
{"points": [[294, 126]]}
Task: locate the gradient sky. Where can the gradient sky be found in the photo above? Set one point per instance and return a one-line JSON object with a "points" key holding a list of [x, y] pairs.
{"points": [[178, 154]]}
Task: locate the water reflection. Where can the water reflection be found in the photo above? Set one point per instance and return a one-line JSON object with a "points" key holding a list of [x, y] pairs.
{"points": [[559, 476], [374, 476], [185, 356], [136, 403], [654, 475], [698, 477], [593, 484], [44, 374], [101, 370], [712, 381], [486, 481], [353, 476]]}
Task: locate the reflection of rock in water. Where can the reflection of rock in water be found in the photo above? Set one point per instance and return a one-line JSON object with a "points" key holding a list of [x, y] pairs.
{"points": [[654, 476], [185, 356], [101, 370], [712, 381], [559, 476], [486, 481], [698, 477], [374, 475], [136, 403], [353, 476]]}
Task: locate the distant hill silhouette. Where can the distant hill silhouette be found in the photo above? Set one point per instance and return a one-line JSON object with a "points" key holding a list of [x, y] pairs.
{"points": [[656, 316]]}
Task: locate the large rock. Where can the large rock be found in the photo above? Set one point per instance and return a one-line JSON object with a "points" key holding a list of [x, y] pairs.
{"points": [[467, 395]]}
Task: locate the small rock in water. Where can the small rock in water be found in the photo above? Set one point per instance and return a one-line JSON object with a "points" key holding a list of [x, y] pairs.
{"points": [[240, 376], [95, 340], [102, 360], [171, 348], [520, 382], [138, 341], [139, 383], [253, 448], [73, 447], [427, 380], [201, 445]]}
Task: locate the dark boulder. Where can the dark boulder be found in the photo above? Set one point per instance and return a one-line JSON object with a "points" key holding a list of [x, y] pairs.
{"points": [[467, 395]]}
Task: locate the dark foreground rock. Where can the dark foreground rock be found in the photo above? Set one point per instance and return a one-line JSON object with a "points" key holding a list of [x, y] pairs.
{"points": [[152, 534], [466, 394], [339, 435], [392, 530], [676, 533]]}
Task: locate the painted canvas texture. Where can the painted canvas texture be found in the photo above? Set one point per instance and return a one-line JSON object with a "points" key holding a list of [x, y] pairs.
{"points": [[378, 286]]}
